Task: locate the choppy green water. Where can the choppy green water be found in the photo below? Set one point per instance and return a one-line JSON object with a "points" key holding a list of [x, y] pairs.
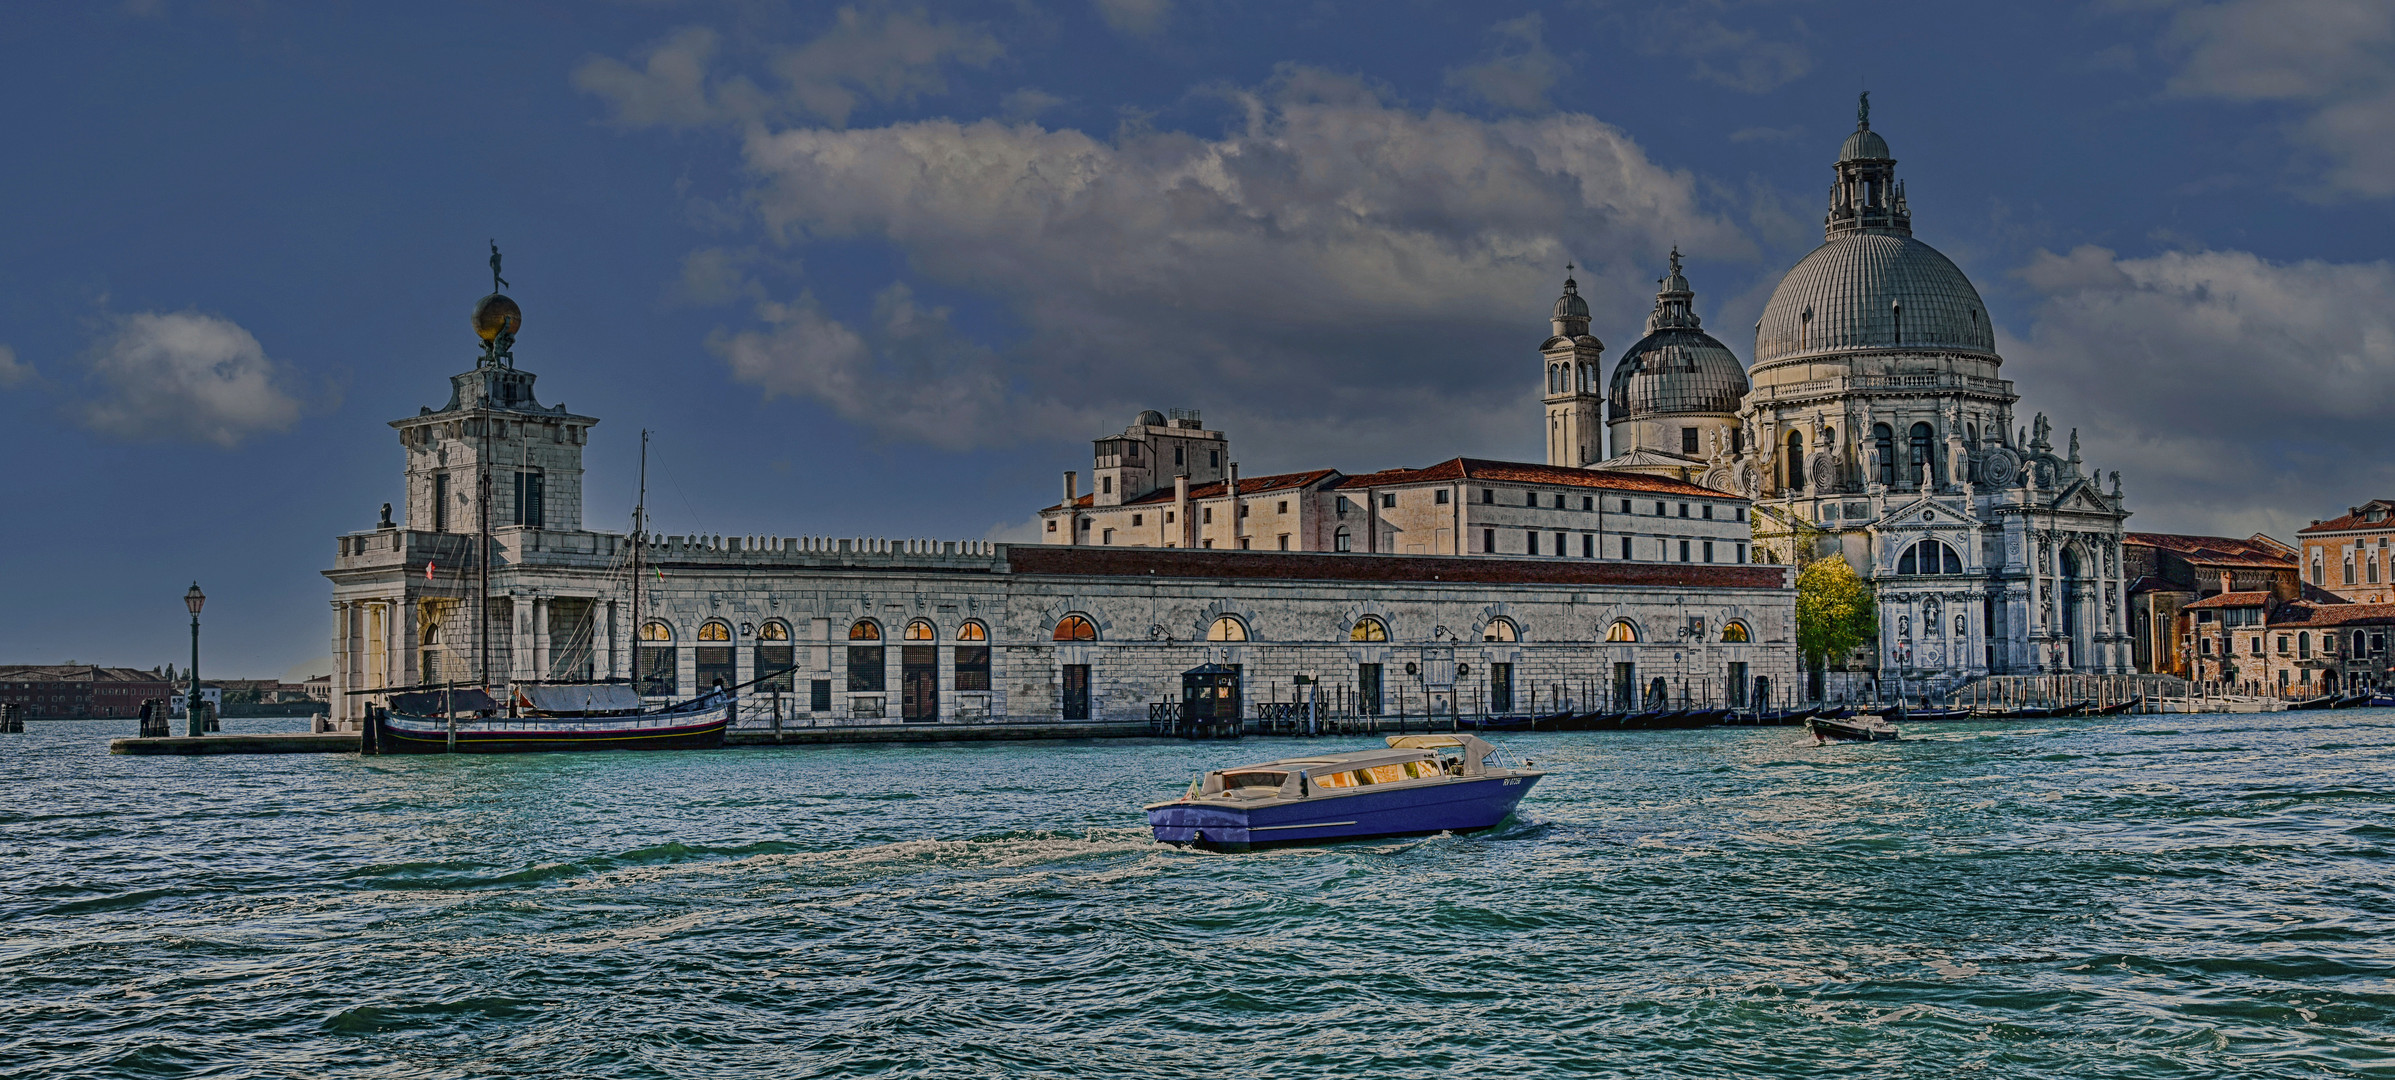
{"points": [[2142, 897]]}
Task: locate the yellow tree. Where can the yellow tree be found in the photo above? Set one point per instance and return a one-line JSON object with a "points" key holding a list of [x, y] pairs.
{"points": [[1835, 611]]}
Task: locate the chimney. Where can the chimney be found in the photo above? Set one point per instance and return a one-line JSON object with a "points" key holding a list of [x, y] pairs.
{"points": [[2224, 581], [1181, 509], [1072, 486]]}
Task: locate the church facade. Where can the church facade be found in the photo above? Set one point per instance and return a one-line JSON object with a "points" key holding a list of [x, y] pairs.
{"points": [[1875, 425]]}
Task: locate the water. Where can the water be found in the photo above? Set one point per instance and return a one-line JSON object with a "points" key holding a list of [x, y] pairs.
{"points": [[2132, 897]]}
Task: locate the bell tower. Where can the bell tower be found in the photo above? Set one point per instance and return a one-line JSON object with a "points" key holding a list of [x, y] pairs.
{"points": [[1574, 396]]}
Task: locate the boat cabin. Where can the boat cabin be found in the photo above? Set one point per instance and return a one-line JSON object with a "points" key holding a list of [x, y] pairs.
{"points": [[1408, 759]]}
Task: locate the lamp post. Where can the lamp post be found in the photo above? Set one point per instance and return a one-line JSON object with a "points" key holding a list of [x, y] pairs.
{"points": [[193, 600]]}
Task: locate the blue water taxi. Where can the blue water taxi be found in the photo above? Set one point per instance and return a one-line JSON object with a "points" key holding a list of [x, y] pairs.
{"points": [[1419, 784]]}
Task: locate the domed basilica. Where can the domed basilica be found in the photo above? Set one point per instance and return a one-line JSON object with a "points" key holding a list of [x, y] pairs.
{"points": [[1875, 425]]}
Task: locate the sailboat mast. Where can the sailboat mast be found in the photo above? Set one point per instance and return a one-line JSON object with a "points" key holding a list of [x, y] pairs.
{"points": [[639, 531]]}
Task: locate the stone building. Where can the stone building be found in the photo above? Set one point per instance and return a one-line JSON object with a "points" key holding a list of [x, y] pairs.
{"points": [[1534, 609], [1877, 426], [1168, 483], [2348, 555], [81, 690], [2168, 571]]}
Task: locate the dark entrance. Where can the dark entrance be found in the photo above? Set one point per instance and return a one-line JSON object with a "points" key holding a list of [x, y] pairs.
{"points": [[1368, 689], [1210, 693], [919, 683], [1076, 691], [1625, 682], [1501, 688]]}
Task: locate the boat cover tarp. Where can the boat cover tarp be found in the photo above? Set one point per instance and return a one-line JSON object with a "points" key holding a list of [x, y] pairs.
{"points": [[433, 702], [580, 698]]}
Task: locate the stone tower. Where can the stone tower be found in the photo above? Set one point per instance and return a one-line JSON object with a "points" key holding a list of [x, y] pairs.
{"points": [[1675, 395], [1575, 406]]}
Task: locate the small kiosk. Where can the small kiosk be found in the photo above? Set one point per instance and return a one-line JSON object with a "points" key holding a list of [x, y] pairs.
{"points": [[1210, 701]]}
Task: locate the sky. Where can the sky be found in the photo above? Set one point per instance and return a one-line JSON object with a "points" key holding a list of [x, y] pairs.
{"points": [[883, 269]]}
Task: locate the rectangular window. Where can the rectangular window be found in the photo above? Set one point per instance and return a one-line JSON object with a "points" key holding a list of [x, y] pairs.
{"points": [[440, 502], [1625, 547], [1076, 692], [1688, 440], [654, 672], [2257, 649], [1530, 499], [1281, 507], [1243, 509], [2204, 646], [1501, 688], [1488, 541], [1738, 513], [1588, 545], [2282, 644], [1388, 502], [1560, 549], [773, 658], [865, 669], [1138, 519], [1708, 551], [1488, 496], [1051, 525], [714, 664], [1683, 509], [528, 500], [1244, 541], [1177, 456], [1106, 536], [1106, 485], [1683, 551], [1588, 502], [972, 667], [1168, 517], [1214, 459], [1708, 511], [1284, 541], [1530, 541], [1742, 553], [1206, 515], [1625, 506], [1659, 512], [1439, 497]]}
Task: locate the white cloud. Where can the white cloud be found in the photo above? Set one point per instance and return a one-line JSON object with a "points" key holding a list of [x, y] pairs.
{"points": [[2332, 60], [1333, 264], [12, 370], [1516, 71], [873, 55], [184, 375], [1137, 17], [2233, 393], [1026, 103]]}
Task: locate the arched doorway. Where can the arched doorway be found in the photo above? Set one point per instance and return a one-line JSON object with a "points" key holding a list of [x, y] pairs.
{"points": [[2073, 592]]}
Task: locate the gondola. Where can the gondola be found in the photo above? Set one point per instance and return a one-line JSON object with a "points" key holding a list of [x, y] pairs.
{"points": [[468, 722], [2324, 701], [1857, 729], [2117, 707]]}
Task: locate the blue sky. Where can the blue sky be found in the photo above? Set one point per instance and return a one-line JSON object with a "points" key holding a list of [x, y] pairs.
{"points": [[883, 269]]}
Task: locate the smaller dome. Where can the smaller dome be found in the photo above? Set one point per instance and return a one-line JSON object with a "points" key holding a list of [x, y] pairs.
{"points": [[1865, 145], [1150, 418], [495, 315], [1570, 305]]}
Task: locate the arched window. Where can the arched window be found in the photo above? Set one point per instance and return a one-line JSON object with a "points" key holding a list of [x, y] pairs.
{"points": [[1734, 632], [653, 661], [1076, 628], [1621, 630], [1929, 557], [1918, 468], [1342, 540], [715, 630], [1227, 628], [2359, 648], [1369, 628], [864, 630], [1500, 630], [652, 631], [921, 630], [867, 668], [972, 631], [972, 656], [2303, 645], [775, 654], [1796, 461], [1896, 319], [1883, 445]]}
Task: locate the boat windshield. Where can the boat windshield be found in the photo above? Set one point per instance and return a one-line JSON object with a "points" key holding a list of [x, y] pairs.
{"points": [[1391, 773], [1232, 781]]}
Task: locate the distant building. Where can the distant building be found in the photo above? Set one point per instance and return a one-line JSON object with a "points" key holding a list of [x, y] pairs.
{"points": [[2348, 555], [81, 690], [2168, 571]]}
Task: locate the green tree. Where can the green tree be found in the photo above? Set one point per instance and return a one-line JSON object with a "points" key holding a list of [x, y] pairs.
{"points": [[1835, 611]]}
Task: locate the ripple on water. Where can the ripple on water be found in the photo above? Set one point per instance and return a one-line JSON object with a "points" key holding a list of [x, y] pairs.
{"points": [[2115, 898]]}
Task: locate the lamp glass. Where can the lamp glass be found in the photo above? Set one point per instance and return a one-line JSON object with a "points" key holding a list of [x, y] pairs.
{"points": [[194, 598]]}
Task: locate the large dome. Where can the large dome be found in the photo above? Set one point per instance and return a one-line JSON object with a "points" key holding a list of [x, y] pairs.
{"points": [[1872, 290]]}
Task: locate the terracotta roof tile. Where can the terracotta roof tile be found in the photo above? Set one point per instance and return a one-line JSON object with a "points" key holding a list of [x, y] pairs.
{"points": [[2354, 520], [2217, 550], [2333, 615], [1060, 559], [1523, 472], [2230, 599]]}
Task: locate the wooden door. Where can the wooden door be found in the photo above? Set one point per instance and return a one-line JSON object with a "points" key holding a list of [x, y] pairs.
{"points": [[919, 683]]}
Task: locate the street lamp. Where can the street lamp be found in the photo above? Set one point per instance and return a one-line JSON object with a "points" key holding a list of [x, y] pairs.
{"points": [[193, 600]]}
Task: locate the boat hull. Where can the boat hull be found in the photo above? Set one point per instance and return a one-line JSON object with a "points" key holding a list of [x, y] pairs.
{"points": [[400, 733], [1466, 805]]}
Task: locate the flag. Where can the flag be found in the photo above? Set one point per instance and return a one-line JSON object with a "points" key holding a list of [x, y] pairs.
{"points": [[660, 574], [428, 569]]}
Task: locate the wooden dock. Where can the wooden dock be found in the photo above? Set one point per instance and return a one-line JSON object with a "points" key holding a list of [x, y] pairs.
{"points": [[346, 742]]}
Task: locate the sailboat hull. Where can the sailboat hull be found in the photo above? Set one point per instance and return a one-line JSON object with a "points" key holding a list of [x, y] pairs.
{"points": [[402, 733]]}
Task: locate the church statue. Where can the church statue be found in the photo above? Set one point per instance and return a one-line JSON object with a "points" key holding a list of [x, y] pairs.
{"points": [[498, 284], [2116, 483]]}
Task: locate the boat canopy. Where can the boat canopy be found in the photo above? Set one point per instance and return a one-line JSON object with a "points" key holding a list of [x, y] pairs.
{"points": [[578, 699], [1476, 749]]}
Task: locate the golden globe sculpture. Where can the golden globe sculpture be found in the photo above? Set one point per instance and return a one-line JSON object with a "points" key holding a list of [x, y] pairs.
{"points": [[495, 315]]}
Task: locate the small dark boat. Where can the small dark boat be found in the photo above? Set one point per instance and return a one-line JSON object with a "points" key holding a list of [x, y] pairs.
{"points": [[2381, 701], [2116, 708], [2353, 701], [606, 717], [2324, 701], [1929, 715], [1498, 723], [1840, 713], [1420, 784], [1697, 718], [1857, 729], [1554, 721]]}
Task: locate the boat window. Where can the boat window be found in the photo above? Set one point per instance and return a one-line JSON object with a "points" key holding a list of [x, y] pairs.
{"points": [[1336, 780], [1253, 780], [1390, 773], [1423, 769]]}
